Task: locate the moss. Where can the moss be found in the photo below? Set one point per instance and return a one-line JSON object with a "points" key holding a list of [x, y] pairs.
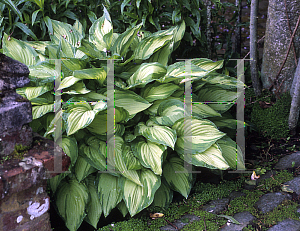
{"points": [[268, 121]]}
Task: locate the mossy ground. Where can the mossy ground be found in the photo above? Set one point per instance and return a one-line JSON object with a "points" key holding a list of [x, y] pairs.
{"points": [[207, 192]]}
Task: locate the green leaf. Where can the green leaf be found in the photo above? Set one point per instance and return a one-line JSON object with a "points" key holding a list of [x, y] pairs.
{"points": [[48, 23], [109, 191], [14, 8], [94, 206], [203, 134], [83, 168], [34, 14], [34, 92], [177, 176], [163, 196], [202, 110], [55, 181], [230, 218], [71, 200], [122, 207], [157, 134]]}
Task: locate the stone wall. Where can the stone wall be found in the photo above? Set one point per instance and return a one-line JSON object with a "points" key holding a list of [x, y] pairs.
{"points": [[24, 202]]}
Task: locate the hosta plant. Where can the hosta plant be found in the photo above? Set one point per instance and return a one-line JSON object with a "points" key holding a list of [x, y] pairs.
{"points": [[150, 122]]}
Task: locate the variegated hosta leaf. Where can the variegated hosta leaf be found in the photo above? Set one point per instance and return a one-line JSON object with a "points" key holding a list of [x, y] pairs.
{"points": [[147, 72], [94, 206], [117, 149], [169, 112], [54, 123], [82, 168], [198, 134], [96, 73], [222, 122], [131, 162], [178, 178], [76, 89], [69, 146], [220, 99], [122, 207], [177, 73], [94, 151], [34, 92], [99, 124], [71, 200], [124, 40], [130, 101], [224, 81], [119, 129], [121, 114], [207, 64], [211, 158], [67, 50], [91, 50], [137, 39], [162, 55], [156, 133], [39, 111], [43, 73], [20, 51], [139, 197], [202, 110], [163, 196], [75, 64], [78, 26], [231, 153], [38, 46], [157, 91], [109, 191], [149, 154], [63, 30], [149, 45], [78, 117], [68, 82], [101, 33]]}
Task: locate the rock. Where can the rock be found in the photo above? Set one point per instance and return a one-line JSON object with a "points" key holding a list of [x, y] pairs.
{"points": [[216, 206], [244, 218], [286, 162], [286, 225], [270, 201]]}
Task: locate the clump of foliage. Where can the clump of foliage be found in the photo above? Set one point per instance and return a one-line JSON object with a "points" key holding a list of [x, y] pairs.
{"points": [[150, 121], [272, 122]]}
